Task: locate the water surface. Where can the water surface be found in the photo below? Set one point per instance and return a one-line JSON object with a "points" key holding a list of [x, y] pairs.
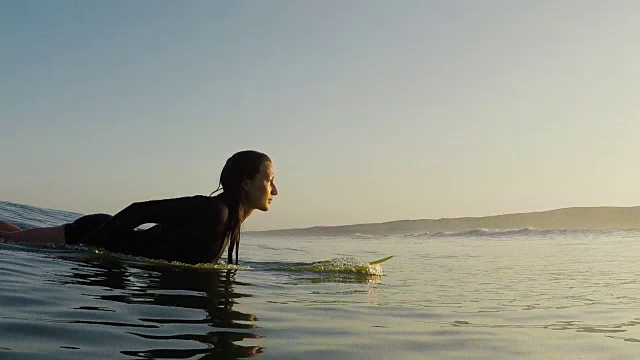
{"points": [[521, 294]]}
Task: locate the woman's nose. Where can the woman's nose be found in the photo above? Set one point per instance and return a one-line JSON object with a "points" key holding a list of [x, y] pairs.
{"points": [[274, 189]]}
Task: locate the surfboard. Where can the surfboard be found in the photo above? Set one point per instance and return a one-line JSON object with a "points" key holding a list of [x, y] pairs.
{"points": [[372, 268], [343, 266], [380, 261]]}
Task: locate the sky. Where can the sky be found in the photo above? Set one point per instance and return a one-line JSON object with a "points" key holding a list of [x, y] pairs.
{"points": [[372, 111]]}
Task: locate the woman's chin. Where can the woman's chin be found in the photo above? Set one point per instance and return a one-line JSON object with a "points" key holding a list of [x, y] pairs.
{"points": [[264, 207]]}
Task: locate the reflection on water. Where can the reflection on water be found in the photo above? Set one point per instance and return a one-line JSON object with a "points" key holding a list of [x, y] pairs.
{"points": [[212, 291], [85, 304], [461, 298]]}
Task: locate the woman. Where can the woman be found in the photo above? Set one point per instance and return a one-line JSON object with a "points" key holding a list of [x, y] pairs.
{"points": [[193, 229]]}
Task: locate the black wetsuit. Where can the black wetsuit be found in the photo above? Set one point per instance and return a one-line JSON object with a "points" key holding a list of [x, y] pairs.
{"points": [[185, 231]]}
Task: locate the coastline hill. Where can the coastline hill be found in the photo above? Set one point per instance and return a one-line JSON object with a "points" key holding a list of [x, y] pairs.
{"points": [[585, 218]]}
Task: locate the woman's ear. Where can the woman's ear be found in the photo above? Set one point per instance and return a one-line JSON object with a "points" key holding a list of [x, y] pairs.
{"points": [[245, 185]]}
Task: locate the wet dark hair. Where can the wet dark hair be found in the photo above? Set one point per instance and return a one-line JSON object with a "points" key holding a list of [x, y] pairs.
{"points": [[241, 166]]}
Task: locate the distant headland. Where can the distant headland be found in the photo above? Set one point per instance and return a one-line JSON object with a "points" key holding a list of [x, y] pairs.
{"points": [[588, 218]]}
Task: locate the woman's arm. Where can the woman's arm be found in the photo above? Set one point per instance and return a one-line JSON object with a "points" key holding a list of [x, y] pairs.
{"points": [[156, 211]]}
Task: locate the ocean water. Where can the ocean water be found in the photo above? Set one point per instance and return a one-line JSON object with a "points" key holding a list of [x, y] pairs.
{"points": [[480, 294]]}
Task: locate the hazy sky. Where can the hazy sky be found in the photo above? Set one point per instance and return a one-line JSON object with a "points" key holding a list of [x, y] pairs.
{"points": [[371, 110]]}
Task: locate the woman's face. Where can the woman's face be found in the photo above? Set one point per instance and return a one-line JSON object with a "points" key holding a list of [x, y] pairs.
{"points": [[261, 190]]}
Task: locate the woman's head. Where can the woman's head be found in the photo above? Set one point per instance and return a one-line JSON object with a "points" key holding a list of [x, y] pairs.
{"points": [[247, 184], [247, 177]]}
